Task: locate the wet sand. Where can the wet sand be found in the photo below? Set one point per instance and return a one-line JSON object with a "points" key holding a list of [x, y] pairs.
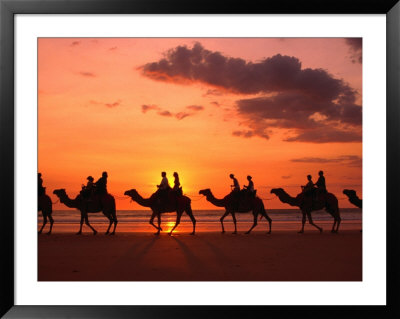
{"points": [[283, 255]]}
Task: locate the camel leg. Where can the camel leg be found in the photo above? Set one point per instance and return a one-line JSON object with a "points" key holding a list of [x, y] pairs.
{"points": [[338, 220], [152, 223], [80, 228], [234, 222], [110, 223], [114, 216], [222, 220], [190, 214], [264, 213], [51, 224], [312, 223], [303, 221], [178, 220], [254, 223], [90, 226], [44, 223]]}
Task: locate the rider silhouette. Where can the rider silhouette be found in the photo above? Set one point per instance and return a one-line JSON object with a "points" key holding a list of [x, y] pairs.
{"points": [[177, 189], [250, 187], [41, 189], [101, 184], [235, 191], [321, 182], [163, 189], [87, 190]]}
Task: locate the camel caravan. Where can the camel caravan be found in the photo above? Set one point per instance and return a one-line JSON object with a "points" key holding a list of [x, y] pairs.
{"points": [[94, 198]]}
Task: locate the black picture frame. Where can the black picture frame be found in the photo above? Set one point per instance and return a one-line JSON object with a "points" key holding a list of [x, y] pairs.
{"points": [[8, 9]]}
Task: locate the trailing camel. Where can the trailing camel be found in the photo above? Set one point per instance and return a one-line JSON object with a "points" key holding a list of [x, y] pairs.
{"points": [[353, 198], [245, 205], [307, 205], [99, 203], [46, 207], [178, 204]]}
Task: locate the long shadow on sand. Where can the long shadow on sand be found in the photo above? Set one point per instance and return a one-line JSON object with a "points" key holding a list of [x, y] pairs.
{"points": [[192, 260], [136, 252]]}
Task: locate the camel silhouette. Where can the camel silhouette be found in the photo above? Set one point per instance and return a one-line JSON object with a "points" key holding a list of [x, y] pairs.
{"points": [[46, 207], [353, 198], [254, 205], [307, 205], [178, 204], [104, 203]]}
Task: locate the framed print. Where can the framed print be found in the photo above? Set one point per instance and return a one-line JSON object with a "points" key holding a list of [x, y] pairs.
{"points": [[188, 121]]}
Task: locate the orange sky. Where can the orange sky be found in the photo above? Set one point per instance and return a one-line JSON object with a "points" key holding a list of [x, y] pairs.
{"points": [[102, 105]]}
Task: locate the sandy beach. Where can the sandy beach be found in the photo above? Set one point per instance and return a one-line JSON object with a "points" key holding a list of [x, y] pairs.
{"points": [[283, 255]]}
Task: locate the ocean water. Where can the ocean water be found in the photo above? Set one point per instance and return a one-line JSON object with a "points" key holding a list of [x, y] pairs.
{"points": [[209, 220]]}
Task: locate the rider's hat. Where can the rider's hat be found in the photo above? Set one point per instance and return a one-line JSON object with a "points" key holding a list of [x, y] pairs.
{"points": [[231, 175], [90, 178], [249, 177], [104, 174]]}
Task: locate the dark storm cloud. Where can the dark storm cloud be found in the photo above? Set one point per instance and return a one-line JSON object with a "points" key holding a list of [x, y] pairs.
{"points": [[355, 45], [273, 74], [350, 160], [326, 135], [314, 105]]}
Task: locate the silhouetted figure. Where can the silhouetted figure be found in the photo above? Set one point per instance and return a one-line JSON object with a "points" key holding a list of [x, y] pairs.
{"points": [[163, 189], [41, 189], [309, 188], [235, 186], [44, 205], [247, 204], [180, 205], [87, 190], [101, 184], [177, 185], [250, 188], [235, 191], [321, 187], [321, 181], [306, 205]]}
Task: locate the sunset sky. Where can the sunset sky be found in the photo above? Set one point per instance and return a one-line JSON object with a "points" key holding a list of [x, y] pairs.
{"points": [[273, 108]]}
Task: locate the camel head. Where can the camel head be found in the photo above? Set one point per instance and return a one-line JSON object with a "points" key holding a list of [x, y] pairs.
{"points": [[205, 192], [60, 192], [132, 193], [276, 191], [349, 192]]}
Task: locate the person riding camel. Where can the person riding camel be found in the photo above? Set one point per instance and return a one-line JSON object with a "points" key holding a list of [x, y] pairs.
{"points": [[163, 189], [321, 186], [101, 184], [177, 185], [250, 187], [87, 190], [309, 188], [235, 191], [41, 189]]}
